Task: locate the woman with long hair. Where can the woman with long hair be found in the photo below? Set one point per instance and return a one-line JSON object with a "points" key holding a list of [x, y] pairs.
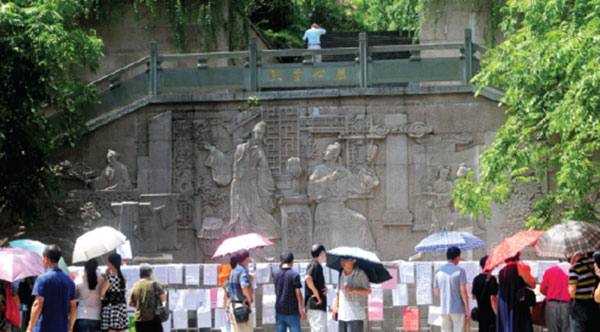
{"points": [[513, 315], [89, 286], [114, 312]]}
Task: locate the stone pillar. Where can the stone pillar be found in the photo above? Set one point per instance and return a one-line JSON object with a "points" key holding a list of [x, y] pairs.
{"points": [[160, 165], [396, 174], [296, 226], [165, 206]]}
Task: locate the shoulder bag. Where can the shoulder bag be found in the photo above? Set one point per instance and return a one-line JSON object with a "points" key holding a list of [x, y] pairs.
{"points": [[160, 310]]}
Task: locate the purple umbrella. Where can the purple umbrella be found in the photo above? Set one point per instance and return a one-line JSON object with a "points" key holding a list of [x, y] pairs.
{"points": [[18, 263]]}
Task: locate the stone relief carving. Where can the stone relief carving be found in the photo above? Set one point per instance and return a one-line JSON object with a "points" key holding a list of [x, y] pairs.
{"points": [[416, 129], [252, 193], [89, 214], [519, 208], [115, 176], [459, 139], [219, 164], [438, 196], [79, 170], [329, 185]]}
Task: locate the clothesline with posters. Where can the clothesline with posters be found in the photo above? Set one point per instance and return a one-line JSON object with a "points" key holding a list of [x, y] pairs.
{"points": [[195, 297]]}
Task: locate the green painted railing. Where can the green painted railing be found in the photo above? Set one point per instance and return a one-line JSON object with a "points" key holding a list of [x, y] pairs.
{"points": [[133, 81]]}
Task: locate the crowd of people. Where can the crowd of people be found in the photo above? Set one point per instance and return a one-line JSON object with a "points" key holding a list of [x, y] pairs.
{"points": [[505, 304], [53, 302]]}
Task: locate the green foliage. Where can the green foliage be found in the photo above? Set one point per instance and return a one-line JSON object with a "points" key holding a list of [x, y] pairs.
{"points": [[392, 15], [41, 48], [549, 68]]}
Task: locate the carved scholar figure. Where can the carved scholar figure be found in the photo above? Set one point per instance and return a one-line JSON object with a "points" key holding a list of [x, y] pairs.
{"points": [[115, 176], [440, 201], [252, 196], [89, 214], [329, 185]]}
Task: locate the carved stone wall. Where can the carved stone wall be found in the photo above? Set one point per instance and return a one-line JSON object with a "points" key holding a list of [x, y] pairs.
{"points": [[399, 159]]}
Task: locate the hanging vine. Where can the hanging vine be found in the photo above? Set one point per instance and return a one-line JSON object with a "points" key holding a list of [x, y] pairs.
{"points": [[209, 17]]}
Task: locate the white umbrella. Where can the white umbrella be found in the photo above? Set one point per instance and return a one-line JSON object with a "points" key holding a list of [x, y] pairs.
{"points": [[96, 243]]}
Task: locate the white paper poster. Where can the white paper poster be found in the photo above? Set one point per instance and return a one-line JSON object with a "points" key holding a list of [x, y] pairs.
{"points": [[211, 274], [303, 267], [263, 273], [424, 283], [407, 272], [326, 274], [220, 297], [188, 298], [274, 267], [131, 274], [472, 269], [180, 319], [161, 274], [204, 317], [332, 325], [542, 267], [335, 276], [330, 295], [192, 274], [268, 309], [219, 319], [173, 298], [176, 274], [435, 316], [400, 295], [166, 325]]}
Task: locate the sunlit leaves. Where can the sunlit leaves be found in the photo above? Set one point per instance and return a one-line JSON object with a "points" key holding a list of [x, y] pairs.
{"points": [[549, 68]]}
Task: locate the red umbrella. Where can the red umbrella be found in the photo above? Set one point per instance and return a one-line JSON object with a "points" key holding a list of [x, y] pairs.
{"points": [[510, 247], [247, 241]]}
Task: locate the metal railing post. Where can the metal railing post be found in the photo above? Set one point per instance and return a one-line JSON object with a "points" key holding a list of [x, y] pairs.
{"points": [[363, 57], [468, 56], [153, 67], [253, 64]]}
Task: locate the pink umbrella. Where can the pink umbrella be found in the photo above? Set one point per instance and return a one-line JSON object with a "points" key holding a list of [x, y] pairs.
{"points": [[18, 263], [247, 241]]}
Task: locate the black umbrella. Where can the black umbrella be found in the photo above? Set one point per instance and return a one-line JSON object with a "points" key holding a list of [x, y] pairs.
{"points": [[365, 260]]}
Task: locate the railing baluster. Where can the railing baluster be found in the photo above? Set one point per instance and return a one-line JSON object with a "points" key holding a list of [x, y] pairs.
{"points": [[253, 65], [468, 56], [363, 59], [153, 79]]}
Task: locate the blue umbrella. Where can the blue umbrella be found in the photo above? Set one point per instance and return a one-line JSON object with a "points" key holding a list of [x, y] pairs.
{"points": [[38, 247], [440, 242], [365, 260]]}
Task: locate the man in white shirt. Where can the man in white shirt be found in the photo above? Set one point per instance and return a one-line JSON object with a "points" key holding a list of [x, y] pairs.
{"points": [[351, 297], [312, 37]]}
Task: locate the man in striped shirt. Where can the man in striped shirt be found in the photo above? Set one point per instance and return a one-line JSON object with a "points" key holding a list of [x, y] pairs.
{"points": [[585, 316]]}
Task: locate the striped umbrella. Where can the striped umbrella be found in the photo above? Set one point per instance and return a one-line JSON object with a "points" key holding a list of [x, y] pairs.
{"points": [[569, 239], [440, 242]]}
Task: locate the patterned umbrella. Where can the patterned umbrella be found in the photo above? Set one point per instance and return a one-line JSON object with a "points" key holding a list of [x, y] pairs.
{"points": [[18, 263], [569, 239], [510, 247], [247, 241], [366, 260], [440, 242]]}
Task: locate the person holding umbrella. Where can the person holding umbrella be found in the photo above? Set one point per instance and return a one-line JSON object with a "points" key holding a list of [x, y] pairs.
{"points": [[450, 285], [240, 292], [351, 297], [513, 315]]}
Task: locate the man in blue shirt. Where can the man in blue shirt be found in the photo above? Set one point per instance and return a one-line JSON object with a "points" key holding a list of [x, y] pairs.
{"points": [[54, 308], [312, 37], [240, 292], [449, 284], [289, 308]]}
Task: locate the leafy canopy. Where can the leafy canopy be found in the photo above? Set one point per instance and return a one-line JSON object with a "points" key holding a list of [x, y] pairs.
{"points": [[549, 68], [41, 47]]}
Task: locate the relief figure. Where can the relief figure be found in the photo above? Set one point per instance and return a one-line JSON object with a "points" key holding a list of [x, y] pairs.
{"points": [[114, 177], [330, 184]]}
